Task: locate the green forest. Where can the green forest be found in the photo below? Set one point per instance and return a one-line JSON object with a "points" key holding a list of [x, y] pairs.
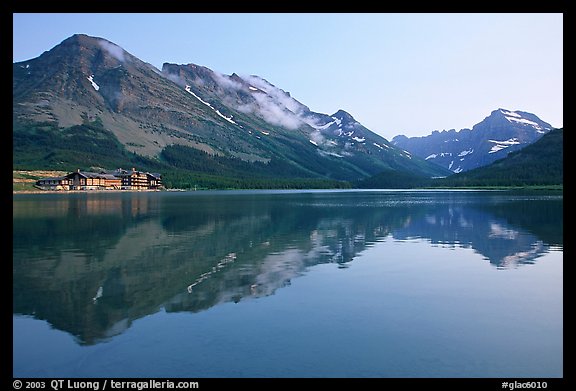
{"points": [[541, 163], [45, 146]]}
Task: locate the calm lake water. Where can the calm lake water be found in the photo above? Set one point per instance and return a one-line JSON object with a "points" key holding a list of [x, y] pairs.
{"points": [[288, 284]]}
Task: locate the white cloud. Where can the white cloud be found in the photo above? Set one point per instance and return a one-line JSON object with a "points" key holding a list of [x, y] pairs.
{"points": [[274, 113], [226, 82], [273, 106], [275, 93], [318, 138], [115, 51], [175, 78]]}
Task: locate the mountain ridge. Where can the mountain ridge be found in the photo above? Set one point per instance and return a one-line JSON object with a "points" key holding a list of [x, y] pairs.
{"points": [[540, 163], [86, 79], [498, 134]]}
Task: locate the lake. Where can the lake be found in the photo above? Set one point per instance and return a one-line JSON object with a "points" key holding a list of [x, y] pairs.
{"points": [[409, 284]]}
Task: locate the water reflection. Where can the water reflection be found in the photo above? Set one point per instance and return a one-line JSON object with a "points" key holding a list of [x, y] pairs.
{"points": [[90, 264], [508, 233]]}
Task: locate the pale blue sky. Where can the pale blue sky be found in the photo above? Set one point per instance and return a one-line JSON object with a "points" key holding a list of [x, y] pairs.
{"points": [[395, 73]]}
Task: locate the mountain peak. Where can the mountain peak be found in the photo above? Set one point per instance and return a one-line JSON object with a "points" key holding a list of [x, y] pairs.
{"points": [[343, 116], [88, 42], [518, 118], [505, 112], [79, 39], [79, 47], [498, 134]]}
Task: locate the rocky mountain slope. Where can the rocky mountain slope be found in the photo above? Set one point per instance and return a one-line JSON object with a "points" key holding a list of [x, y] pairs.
{"points": [[540, 163], [246, 120], [502, 132]]}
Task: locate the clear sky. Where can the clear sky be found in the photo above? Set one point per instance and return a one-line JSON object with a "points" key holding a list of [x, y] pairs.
{"points": [[395, 73]]}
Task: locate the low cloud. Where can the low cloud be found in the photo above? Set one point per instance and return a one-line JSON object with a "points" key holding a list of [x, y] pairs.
{"points": [[181, 81], [226, 82], [175, 78], [273, 106], [275, 114], [271, 112], [115, 51], [318, 138], [275, 93]]}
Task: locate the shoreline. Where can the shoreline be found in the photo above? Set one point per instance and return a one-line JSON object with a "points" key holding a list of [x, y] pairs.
{"points": [[471, 188], [83, 191]]}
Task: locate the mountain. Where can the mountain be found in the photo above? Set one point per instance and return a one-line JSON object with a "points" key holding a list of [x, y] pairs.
{"points": [[89, 102], [540, 163], [502, 132]]}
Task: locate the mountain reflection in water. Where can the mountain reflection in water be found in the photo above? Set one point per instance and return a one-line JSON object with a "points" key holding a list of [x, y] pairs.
{"points": [[90, 264]]}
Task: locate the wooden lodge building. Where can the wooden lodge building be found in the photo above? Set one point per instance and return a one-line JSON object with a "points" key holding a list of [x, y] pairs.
{"points": [[113, 180]]}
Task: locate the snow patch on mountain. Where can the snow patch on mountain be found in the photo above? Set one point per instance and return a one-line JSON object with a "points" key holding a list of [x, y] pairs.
{"points": [[435, 155], [329, 153], [512, 117], [502, 144], [497, 148], [187, 88], [229, 119], [524, 121], [317, 139], [512, 141], [320, 127], [91, 80], [510, 113]]}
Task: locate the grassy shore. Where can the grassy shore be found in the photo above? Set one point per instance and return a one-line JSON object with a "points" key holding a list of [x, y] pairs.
{"points": [[23, 182]]}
